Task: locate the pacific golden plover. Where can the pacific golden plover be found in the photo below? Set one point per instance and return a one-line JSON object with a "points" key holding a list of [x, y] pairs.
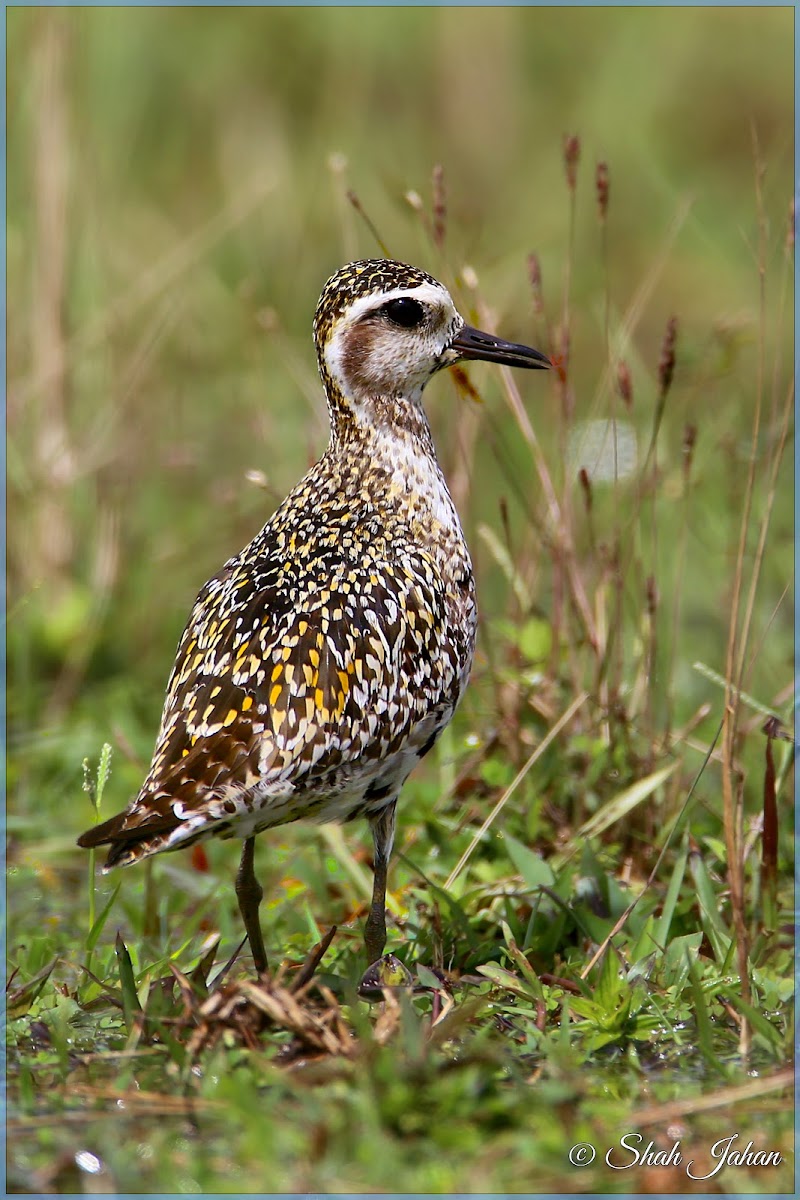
{"points": [[324, 660]]}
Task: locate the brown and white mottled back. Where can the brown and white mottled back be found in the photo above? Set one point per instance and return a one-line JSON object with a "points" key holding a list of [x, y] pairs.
{"points": [[323, 661]]}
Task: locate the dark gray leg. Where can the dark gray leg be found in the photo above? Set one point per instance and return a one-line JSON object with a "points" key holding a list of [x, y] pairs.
{"points": [[249, 894], [383, 836]]}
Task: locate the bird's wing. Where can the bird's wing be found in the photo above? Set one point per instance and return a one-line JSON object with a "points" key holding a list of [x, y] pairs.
{"points": [[267, 696]]}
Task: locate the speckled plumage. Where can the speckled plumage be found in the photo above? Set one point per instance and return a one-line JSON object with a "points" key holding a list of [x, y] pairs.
{"points": [[323, 661]]}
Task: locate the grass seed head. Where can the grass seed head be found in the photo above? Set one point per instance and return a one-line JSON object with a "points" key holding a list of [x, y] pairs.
{"points": [[439, 206], [624, 383], [572, 154], [666, 363], [689, 440], [651, 592], [601, 186], [586, 488], [564, 341], [535, 277]]}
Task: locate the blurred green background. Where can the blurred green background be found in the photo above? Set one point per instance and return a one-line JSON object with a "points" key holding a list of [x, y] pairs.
{"points": [[177, 196]]}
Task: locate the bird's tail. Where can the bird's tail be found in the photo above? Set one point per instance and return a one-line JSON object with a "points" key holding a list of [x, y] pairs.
{"points": [[130, 842]]}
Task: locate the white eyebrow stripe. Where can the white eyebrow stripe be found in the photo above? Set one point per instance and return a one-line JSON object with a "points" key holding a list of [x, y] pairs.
{"points": [[426, 293]]}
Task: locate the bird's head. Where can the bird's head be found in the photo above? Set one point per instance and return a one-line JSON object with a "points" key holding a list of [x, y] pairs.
{"points": [[383, 328]]}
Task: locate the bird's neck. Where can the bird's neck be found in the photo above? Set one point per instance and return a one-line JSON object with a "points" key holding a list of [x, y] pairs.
{"points": [[384, 454], [375, 426]]}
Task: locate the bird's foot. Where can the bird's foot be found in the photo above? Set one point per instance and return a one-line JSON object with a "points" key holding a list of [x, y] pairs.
{"points": [[386, 972]]}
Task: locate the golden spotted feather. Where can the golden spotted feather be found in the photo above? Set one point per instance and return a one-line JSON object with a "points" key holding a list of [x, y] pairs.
{"points": [[321, 663]]}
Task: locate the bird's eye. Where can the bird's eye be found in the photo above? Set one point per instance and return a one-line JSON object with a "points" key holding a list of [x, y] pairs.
{"points": [[404, 311]]}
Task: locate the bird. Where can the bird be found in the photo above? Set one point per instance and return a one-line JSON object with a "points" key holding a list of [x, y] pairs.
{"points": [[324, 660]]}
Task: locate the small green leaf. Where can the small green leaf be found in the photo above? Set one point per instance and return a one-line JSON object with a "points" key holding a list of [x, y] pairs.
{"points": [[705, 1039], [427, 979], [504, 979], [525, 967], [671, 899], [710, 915], [763, 1028], [678, 952], [610, 983], [536, 639], [535, 872], [20, 999]]}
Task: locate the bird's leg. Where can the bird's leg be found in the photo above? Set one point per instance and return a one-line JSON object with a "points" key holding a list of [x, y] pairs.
{"points": [[383, 837], [249, 894]]}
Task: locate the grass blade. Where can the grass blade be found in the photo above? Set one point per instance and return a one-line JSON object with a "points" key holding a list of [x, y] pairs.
{"points": [[97, 928], [130, 999]]}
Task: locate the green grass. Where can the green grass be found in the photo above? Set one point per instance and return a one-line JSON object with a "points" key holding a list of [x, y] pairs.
{"points": [[592, 889]]}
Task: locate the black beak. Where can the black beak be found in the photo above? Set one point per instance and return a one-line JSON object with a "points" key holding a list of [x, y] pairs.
{"points": [[472, 343]]}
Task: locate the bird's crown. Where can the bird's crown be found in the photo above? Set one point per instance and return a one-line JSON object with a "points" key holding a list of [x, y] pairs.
{"points": [[365, 277]]}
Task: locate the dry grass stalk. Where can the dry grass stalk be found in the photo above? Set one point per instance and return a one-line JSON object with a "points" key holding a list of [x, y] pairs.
{"points": [[738, 636], [53, 535], [439, 225]]}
